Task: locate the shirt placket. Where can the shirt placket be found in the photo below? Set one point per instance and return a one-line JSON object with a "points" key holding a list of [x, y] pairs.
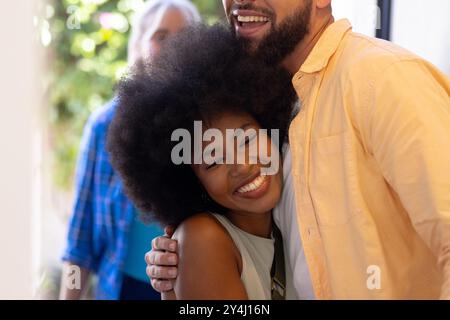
{"points": [[307, 90]]}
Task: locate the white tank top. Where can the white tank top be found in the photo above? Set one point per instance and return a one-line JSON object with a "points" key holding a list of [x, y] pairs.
{"points": [[257, 256]]}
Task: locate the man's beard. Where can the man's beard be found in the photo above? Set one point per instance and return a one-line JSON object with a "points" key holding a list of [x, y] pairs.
{"points": [[282, 40]]}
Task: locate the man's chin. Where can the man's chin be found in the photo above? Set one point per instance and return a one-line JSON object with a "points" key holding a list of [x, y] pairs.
{"points": [[251, 35], [250, 45]]}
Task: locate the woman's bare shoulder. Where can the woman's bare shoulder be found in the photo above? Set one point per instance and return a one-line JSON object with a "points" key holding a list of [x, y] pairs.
{"points": [[202, 229], [209, 262]]}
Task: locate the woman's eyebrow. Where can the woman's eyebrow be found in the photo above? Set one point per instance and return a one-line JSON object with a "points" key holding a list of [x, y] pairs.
{"points": [[246, 125]]}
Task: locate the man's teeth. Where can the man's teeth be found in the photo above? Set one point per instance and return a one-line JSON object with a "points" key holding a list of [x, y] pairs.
{"points": [[252, 19], [255, 184]]}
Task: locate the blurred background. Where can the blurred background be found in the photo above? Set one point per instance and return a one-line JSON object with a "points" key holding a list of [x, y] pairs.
{"points": [[60, 60]]}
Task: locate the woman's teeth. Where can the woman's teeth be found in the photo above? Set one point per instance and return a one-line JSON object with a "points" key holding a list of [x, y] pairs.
{"points": [[255, 184], [252, 19]]}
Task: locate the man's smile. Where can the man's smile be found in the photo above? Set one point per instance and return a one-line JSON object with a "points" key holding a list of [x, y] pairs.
{"points": [[251, 24]]}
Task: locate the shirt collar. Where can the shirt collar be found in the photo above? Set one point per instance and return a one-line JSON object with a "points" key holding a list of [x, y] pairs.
{"points": [[326, 47]]}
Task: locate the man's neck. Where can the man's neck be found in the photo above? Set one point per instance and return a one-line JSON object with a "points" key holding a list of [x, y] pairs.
{"points": [[295, 60]]}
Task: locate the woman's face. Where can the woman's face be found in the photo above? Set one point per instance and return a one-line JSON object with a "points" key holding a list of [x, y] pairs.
{"points": [[242, 186]]}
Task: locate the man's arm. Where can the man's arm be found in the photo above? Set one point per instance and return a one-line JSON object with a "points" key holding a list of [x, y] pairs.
{"points": [[408, 132]]}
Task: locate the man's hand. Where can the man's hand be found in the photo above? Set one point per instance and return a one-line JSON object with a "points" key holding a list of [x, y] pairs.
{"points": [[162, 262]]}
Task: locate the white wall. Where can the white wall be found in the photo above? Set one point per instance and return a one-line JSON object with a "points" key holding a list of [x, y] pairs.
{"points": [[423, 26], [19, 147], [363, 14]]}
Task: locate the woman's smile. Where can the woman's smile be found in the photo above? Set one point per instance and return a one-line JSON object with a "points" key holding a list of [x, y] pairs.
{"points": [[253, 188], [242, 187]]}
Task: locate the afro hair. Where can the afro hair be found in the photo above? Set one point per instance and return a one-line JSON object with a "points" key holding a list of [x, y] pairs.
{"points": [[200, 73]]}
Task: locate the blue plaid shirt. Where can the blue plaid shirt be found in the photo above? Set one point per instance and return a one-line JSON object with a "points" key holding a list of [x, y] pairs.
{"points": [[102, 214]]}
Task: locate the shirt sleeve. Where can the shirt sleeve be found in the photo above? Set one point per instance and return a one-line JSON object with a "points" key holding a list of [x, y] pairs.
{"points": [[409, 135], [80, 246]]}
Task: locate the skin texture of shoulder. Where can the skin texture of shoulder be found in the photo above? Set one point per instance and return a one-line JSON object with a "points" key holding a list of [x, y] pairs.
{"points": [[209, 263]]}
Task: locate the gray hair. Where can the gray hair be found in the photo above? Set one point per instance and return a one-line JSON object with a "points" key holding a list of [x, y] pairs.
{"points": [[153, 11]]}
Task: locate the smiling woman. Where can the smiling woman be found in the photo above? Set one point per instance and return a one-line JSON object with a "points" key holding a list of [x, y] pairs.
{"points": [[222, 208], [200, 76]]}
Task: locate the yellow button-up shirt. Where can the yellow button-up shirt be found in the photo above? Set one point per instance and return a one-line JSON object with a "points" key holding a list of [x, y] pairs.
{"points": [[371, 169]]}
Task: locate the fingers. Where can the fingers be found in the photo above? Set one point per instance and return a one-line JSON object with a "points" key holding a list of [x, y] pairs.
{"points": [[169, 230], [160, 277], [162, 285], [161, 263], [164, 273], [160, 258], [164, 244]]}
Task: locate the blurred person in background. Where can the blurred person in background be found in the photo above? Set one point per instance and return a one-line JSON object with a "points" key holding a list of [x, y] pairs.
{"points": [[105, 235]]}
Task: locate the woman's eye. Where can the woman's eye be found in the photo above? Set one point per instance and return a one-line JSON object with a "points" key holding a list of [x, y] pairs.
{"points": [[160, 37], [216, 163], [248, 139], [211, 166]]}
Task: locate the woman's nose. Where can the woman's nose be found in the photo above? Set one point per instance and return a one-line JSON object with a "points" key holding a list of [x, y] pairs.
{"points": [[240, 169]]}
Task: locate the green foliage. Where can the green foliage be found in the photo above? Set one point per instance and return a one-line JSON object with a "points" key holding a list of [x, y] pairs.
{"points": [[211, 10], [88, 51]]}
